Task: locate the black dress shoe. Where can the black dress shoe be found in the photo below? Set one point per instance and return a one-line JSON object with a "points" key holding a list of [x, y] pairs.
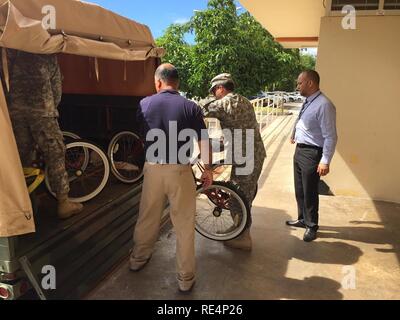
{"points": [[310, 234], [296, 223]]}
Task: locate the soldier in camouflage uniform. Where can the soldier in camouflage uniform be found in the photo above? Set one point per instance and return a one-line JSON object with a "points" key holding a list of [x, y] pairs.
{"points": [[35, 92], [236, 112]]}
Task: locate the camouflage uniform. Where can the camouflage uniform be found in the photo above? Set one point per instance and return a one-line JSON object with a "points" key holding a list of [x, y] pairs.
{"points": [[236, 112], [35, 92]]}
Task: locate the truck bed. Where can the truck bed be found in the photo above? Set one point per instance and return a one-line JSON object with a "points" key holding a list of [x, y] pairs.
{"points": [[83, 248]]}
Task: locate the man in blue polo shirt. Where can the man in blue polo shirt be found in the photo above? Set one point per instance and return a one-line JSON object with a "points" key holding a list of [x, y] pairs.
{"points": [[170, 124]]}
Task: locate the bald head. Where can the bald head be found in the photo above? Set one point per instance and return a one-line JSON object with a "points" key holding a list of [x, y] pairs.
{"points": [[308, 83], [312, 75], [166, 77]]}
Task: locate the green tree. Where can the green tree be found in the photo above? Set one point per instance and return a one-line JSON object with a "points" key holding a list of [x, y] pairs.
{"points": [[289, 70], [215, 31], [307, 62], [228, 42], [178, 52], [257, 56]]}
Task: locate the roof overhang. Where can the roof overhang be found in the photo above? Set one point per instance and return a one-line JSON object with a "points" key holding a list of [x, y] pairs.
{"points": [[294, 24]]}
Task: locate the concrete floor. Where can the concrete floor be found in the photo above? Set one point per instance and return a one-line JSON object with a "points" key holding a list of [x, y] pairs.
{"points": [[356, 255]]}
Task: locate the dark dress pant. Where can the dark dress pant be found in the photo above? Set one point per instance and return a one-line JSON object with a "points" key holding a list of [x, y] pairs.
{"points": [[306, 181]]}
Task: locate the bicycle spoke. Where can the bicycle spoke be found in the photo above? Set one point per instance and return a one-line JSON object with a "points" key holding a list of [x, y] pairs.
{"points": [[214, 217], [88, 170], [127, 162]]}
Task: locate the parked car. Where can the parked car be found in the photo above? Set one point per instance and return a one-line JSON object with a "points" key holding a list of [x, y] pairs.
{"points": [[297, 97], [262, 95], [257, 96]]}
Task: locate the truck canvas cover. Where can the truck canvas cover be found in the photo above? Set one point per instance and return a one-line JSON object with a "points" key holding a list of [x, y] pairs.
{"points": [[82, 29]]}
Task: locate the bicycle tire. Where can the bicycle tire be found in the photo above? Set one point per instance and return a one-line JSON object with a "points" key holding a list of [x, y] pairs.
{"points": [[212, 233], [79, 170], [134, 159], [70, 137]]}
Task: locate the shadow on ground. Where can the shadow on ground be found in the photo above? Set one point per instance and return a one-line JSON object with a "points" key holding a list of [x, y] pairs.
{"points": [[224, 273]]}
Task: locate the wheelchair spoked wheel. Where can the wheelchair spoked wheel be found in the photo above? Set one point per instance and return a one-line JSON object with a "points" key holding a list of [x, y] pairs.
{"points": [[88, 171], [127, 157], [70, 137], [222, 212]]}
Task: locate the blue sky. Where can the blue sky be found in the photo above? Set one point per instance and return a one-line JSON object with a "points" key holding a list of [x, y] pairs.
{"points": [[157, 14]]}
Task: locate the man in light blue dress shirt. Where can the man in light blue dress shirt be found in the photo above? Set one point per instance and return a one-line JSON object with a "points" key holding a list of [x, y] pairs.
{"points": [[316, 137]]}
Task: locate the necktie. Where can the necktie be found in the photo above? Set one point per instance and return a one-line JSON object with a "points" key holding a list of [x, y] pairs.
{"points": [[298, 119]]}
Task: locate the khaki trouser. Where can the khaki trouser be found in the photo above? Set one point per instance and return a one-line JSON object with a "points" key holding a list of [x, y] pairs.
{"points": [[174, 183]]}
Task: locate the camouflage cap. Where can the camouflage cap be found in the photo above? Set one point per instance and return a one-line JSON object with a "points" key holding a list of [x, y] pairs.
{"points": [[220, 79]]}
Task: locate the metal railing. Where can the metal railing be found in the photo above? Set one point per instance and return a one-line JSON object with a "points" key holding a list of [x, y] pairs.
{"points": [[268, 108]]}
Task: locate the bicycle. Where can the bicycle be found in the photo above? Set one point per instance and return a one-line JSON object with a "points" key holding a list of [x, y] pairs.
{"points": [[222, 211], [87, 167], [127, 157], [87, 175]]}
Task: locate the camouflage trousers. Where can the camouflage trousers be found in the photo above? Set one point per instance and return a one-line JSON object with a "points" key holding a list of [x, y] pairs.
{"points": [[248, 184], [33, 130]]}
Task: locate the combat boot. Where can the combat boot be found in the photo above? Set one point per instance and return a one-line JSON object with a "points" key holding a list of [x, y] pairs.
{"points": [[242, 242], [66, 208]]}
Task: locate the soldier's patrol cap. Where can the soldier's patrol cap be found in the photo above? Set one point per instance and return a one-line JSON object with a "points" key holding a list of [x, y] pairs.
{"points": [[221, 79]]}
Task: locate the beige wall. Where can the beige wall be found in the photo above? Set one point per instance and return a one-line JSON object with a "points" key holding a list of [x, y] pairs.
{"points": [[360, 71]]}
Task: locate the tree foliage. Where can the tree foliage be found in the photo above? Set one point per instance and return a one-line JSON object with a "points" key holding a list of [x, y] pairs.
{"points": [[226, 41], [307, 61]]}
